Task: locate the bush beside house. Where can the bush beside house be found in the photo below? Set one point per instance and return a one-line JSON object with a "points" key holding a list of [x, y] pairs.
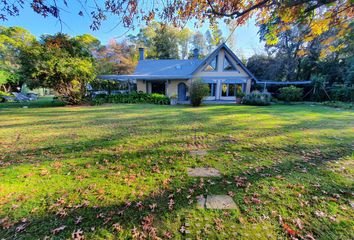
{"points": [[133, 97], [257, 98], [198, 90]]}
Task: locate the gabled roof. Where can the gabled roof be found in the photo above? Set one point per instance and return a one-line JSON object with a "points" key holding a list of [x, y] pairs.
{"points": [[231, 53]]}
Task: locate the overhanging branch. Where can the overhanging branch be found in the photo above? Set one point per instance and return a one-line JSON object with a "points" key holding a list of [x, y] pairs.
{"points": [[237, 13]]}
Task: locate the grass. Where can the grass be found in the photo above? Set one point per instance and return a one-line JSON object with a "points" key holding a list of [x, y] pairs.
{"points": [[119, 171]]}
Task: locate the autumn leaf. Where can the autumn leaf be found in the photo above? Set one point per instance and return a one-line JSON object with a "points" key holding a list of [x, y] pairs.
{"points": [[117, 227], [78, 235], [58, 230], [299, 223], [288, 229], [78, 220]]}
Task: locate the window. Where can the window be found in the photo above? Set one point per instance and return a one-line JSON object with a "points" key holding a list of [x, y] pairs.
{"points": [[228, 66], [239, 88], [212, 89], [224, 90], [230, 90], [211, 66]]}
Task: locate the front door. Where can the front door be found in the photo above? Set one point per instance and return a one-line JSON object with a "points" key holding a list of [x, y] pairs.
{"points": [[182, 90]]}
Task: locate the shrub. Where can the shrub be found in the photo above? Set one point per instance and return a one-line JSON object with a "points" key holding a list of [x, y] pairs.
{"points": [[342, 93], [198, 90], [337, 104], [240, 94], [257, 98], [290, 94], [133, 97]]}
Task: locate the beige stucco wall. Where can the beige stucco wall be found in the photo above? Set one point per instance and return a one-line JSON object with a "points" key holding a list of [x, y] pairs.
{"points": [[141, 86], [172, 87]]}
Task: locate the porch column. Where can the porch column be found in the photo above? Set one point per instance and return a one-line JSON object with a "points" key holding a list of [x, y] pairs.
{"points": [[166, 87], [218, 90], [248, 86]]}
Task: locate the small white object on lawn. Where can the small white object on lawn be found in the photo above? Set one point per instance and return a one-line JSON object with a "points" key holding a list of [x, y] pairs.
{"points": [[203, 172], [198, 152], [220, 202]]}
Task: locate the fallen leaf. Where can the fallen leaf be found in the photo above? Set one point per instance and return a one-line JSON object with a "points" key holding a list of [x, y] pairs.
{"points": [[58, 230], [288, 229], [78, 235]]}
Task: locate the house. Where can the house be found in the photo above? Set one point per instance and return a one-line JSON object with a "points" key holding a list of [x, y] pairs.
{"points": [[221, 70]]}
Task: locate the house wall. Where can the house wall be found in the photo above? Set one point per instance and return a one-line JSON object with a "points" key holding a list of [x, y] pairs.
{"points": [[141, 86], [172, 87]]}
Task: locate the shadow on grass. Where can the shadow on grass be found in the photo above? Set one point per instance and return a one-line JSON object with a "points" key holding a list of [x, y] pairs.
{"points": [[129, 216], [103, 217]]}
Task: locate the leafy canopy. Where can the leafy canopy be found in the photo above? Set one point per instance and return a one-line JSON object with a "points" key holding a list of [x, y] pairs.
{"points": [[62, 63], [318, 16], [13, 40]]}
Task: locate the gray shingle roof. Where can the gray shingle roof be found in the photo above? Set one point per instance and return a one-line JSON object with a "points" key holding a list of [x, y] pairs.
{"points": [[166, 68]]}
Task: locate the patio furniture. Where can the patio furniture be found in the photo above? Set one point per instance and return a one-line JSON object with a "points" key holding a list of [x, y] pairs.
{"points": [[20, 97]]}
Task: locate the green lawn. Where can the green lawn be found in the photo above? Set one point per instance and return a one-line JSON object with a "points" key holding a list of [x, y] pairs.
{"points": [[112, 171]]}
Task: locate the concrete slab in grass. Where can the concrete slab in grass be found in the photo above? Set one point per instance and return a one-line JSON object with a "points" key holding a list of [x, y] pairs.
{"points": [[220, 202], [203, 172], [198, 152]]}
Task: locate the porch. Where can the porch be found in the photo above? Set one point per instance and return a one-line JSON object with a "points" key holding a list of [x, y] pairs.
{"points": [[210, 102]]}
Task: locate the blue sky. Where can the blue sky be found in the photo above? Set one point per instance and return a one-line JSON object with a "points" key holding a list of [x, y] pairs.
{"points": [[246, 38]]}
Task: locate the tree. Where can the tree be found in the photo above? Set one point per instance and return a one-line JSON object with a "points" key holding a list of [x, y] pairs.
{"points": [[145, 39], [265, 67], [13, 41], [277, 15], [184, 36], [116, 58], [165, 43], [198, 41], [61, 63], [162, 41], [89, 41]]}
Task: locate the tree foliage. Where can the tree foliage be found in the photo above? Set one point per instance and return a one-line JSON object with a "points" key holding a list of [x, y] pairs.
{"points": [[13, 41], [116, 58], [277, 16], [165, 44], [163, 41], [289, 61], [62, 63]]}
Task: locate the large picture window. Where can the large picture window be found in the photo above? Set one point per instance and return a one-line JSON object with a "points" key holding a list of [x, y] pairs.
{"points": [[230, 90], [212, 89]]}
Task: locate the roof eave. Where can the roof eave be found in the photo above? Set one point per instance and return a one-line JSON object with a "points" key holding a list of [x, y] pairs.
{"points": [[144, 77]]}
